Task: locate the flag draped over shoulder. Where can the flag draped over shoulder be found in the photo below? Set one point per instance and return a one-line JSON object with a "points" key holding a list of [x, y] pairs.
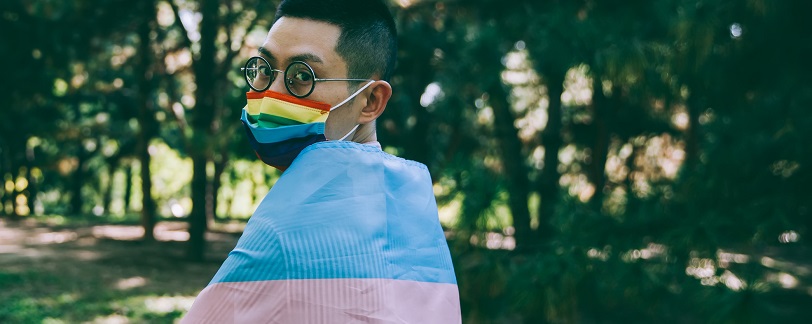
{"points": [[348, 234]]}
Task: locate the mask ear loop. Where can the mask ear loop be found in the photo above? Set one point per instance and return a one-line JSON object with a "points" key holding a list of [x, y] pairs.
{"points": [[347, 100], [350, 132], [353, 95]]}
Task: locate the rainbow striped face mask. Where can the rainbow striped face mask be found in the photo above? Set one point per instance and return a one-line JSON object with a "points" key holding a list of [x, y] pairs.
{"points": [[280, 126]]}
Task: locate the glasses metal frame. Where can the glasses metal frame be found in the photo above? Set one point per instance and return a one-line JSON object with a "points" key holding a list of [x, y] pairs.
{"points": [[288, 81]]}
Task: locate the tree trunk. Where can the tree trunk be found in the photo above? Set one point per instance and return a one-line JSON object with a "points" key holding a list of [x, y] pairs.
{"points": [[202, 127], [513, 162], [5, 172], [128, 187], [417, 148], [16, 162], [548, 184], [604, 110], [628, 182], [108, 190], [78, 180], [219, 168], [32, 189], [148, 203], [145, 117], [197, 218], [692, 134]]}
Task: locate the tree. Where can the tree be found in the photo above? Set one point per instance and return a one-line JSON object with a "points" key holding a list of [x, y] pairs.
{"points": [[207, 137], [146, 116]]}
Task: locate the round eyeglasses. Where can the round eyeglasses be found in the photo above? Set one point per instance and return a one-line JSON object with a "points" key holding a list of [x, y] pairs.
{"points": [[300, 80]]}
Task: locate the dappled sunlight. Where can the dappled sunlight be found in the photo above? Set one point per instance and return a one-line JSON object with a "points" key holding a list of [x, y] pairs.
{"points": [[132, 309], [121, 54], [164, 231], [534, 121], [704, 269], [789, 237], [736, 30], [109, 319], [52, 237], [577, 182], [130, 283], [577, 87], [171, 174], [781, 265], [165, 16], [96, 276], [118, 232], [784, 274], [177, 61], [640, 163], [232, 227], [406, 3], [718, 271], [578, 186], [449, 213], [732, 281], [680, 119], [168, 234], [432, 93], [528, 94], [602, 254], [726, 258], [787, 280], [537, 157], [663, 157], [653, 250], [784, 168], [164, 304], [244, 184], [495, 241], [485, 116]]}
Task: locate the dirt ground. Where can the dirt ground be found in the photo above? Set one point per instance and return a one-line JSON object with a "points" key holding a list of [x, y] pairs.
{"points": [[100, 273]]}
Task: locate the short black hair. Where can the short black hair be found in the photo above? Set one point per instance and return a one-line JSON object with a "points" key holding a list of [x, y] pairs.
{"points": [[368, 41]]}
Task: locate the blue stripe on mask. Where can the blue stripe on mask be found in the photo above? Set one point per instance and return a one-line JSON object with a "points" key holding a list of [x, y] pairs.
{"points": [[278, 134]]}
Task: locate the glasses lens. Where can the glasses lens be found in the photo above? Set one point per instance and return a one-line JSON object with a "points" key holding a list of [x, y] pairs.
{"points": [[299, 79], [258, 74]]}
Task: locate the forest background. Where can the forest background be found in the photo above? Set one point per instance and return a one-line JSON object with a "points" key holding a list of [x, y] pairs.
{"points": [[593, 160]]}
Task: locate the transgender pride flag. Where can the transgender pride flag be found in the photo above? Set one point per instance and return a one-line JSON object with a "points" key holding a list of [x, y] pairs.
{"points": [[349, 234]]}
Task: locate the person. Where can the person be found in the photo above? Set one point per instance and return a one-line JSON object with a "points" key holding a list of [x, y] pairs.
{"points": [[349, 233]]}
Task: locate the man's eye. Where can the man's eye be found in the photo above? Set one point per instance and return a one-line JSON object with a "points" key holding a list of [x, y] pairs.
{"points": [[264, 71], [303, 76]]}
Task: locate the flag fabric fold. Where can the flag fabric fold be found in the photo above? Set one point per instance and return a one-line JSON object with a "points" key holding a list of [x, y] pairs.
{"points": [[348, 234]]}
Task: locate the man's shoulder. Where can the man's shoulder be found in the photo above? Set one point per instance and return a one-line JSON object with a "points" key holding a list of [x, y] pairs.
{"points": [[356, 153]]}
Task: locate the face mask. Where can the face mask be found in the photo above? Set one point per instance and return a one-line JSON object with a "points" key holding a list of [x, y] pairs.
{"points": [[280, 126]]}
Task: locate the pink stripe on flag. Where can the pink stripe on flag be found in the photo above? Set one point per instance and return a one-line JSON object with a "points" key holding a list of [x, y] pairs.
{"points": [[327, 301]]}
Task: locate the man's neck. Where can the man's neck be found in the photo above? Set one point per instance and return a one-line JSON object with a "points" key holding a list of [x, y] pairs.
{"points": [[365, 134]]}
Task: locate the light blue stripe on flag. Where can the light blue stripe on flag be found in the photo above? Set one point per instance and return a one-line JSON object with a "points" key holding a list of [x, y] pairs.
{"points": [[344, 210]]}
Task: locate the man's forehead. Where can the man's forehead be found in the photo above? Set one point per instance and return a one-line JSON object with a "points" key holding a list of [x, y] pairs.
{"points": [[296, 39]]}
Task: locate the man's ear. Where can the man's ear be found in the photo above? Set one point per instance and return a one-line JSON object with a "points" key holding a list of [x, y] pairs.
{"points": [[379, 94]]}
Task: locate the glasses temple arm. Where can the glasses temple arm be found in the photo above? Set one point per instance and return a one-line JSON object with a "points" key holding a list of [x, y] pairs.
{"points": [[359, 80]]}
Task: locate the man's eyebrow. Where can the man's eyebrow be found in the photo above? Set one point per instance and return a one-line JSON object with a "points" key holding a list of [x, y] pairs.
{"points": [[266, 53], [307, 57], [304, 57]]}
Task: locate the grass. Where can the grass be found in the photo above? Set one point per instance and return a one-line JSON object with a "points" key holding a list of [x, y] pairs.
{"points": [[49, 275]]}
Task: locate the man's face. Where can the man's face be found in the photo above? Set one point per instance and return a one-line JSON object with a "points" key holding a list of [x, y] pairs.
{"points": [[313, 42]]}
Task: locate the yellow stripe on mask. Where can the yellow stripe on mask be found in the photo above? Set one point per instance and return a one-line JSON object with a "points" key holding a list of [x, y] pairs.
{"points": [[253, 106], [276, 107]]}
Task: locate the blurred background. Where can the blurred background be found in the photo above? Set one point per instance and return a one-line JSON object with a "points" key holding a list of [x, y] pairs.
{"points": [[594, 161]]}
